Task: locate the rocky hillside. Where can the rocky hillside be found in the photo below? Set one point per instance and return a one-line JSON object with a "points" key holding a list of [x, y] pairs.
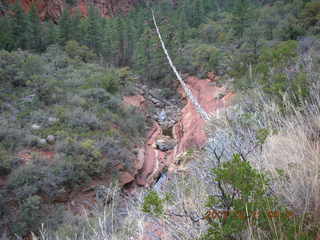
{"points": [[176, 128], [98, 140]]}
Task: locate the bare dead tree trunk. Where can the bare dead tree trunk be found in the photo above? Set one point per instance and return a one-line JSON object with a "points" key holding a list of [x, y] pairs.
{"points": [[204, 115]]}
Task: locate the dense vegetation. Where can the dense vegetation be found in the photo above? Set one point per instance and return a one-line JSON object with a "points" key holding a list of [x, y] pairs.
{"points": [[65, 103], [66, 80]]}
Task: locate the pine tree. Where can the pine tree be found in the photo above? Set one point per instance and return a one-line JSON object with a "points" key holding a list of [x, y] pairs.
{"points": [[6, 36], [19, 23], [242, 14], [51, 33], [93, 37], [120, 41], [34, 32], [106, 50], [143, 54], [65, 27], [75, 22]]}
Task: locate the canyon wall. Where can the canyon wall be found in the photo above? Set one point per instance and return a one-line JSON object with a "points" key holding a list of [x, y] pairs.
{"points": [[52, 9]]}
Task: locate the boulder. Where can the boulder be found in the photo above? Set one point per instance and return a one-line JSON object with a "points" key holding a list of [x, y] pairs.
{"points": [[51, 139], [42, 141], [165, 144], [125, 178], [52, 120], [35, 126], [162, 116]]}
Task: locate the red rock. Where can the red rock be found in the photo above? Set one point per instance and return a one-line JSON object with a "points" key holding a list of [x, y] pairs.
{"points": [[27, 155], [46, 8], [119, 166], [152, 156], [53, 9], [136, 101], [125, 178], [189, 131], [141, 180]]}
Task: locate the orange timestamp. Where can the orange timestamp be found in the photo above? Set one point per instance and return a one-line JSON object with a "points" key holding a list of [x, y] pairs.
{"points": [[218, 214]]}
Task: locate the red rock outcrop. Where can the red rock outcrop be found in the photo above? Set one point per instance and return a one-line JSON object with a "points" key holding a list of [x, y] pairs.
{"points": [[125, 178], [52, 9], [46, 8], [188, 132]]}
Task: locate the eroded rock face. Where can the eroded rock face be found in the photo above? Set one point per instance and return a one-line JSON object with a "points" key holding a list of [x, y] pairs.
{"points": [[189, 132], [175, 131], [52, 9]]}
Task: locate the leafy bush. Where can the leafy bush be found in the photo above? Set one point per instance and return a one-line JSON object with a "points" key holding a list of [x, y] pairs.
{"points": [[311, 16], [30, 216], [207, 58], [244, 202], [153, 204], [80, 53]]}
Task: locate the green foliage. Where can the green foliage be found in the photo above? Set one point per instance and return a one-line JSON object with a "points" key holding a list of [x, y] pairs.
{"points": [[262, 135], [153, 204], [280, 55], [273, 65], [247, 203], [109, 81], [80, 53], [83, 101], [30, 216], [311, 16], [75, 77], [207, 58]]}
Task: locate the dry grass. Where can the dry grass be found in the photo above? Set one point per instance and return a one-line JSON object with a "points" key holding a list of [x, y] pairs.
{"points": [[295, 149]]}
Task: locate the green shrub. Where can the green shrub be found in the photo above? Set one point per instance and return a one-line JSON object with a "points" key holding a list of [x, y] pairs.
{"points": [[80, 53], [29, 217], [311, 16], [245, 202], [275, 78], [5, 161], [153, 204], [207, 58]]}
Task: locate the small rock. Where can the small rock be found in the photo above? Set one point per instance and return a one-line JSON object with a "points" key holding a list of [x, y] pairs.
{"points": [[162, 115], [52, 120], [35, 127], [42, 141], [164, 144], [51, 139]]}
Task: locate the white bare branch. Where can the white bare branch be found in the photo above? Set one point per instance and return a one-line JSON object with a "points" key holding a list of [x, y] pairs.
{"points": [[204, 115]]}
